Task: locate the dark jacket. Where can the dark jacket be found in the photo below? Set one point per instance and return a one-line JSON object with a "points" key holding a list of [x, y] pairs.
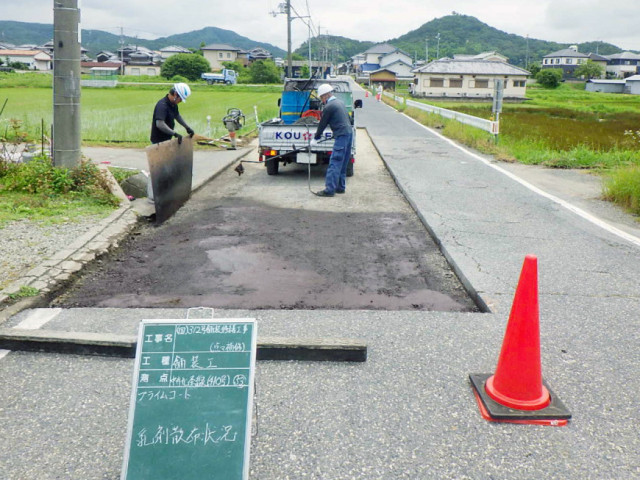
{"points": [[335, 115], [167, 112]]}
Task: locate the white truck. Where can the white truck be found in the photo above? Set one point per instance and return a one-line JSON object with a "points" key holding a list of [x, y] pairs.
{"points": [[286, 139], [226, 76]]}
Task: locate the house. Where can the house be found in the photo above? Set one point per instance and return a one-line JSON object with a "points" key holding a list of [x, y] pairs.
{"points": [[489, 56], [622, 65], [259, 53], [87, 68], [171, 50], [601, 61], [567, 60], [217, 53], [469, 79], [34, 59], [383, 57]]}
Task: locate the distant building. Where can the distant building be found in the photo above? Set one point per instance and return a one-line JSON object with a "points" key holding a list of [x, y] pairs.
{"points": [[567, 60], [629, 85], [33, 59], [171, 50], [622, 65], [469, 79], [383, 58], [220, 52], [489, 56]]}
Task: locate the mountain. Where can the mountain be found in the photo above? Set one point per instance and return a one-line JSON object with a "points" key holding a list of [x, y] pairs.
{"points": [[94, 41], [463, 34]]}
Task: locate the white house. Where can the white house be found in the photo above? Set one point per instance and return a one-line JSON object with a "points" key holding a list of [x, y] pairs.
{"points": [[623, 64], [35, 59], [567, 60], [171, 50], [219, 52], [469, 78]]}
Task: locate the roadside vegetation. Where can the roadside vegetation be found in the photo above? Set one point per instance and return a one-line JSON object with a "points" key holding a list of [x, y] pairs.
{"points": [[564, 127]]}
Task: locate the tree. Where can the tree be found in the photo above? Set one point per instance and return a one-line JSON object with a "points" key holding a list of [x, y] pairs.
{"points": [[264, 71], [534, 68], [589, 70], [185, 64], [549, 77]]}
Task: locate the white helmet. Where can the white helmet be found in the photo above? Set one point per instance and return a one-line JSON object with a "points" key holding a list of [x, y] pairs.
{"points": [[324, 88], [183, 90]]}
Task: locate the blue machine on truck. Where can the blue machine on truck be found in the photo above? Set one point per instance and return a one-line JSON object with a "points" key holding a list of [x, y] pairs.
{"points": [[281, 139]]}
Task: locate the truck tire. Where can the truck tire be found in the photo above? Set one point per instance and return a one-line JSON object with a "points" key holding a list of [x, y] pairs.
{"points": [[350, 169], [272, 167]]}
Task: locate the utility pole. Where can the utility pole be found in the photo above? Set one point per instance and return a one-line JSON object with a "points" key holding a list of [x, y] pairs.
{"points": [[66, 83], [426, 55], [121, 51], [289, 67], [526, 62], [438, 47]]}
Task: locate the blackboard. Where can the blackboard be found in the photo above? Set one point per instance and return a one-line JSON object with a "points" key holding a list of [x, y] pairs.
{"points": [[191, 400]]}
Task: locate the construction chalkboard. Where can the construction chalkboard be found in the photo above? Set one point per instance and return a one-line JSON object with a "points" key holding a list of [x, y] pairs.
{"points": [[191, 399]]}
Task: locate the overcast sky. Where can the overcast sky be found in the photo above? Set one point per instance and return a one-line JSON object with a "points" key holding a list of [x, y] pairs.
{"points": [[565, 21]]}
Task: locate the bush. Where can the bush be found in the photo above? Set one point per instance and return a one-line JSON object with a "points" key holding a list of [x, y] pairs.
{"points": [[39, 176], [187, 65], [264, 71], [179, 78], [550, 77]]}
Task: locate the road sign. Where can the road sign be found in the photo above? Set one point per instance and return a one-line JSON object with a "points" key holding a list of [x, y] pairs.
{"points": [[498, 93], [191, 400]]}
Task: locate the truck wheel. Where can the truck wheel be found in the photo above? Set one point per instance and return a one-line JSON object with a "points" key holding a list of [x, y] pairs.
{"points": [[227, 82], [272, 167], [350, 169]]}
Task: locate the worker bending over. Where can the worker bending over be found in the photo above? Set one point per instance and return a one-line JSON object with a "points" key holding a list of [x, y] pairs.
{"points": [[166, 114]]}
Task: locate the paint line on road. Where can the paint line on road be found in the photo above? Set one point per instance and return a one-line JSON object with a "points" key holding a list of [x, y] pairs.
{"points": [[38, 317], [4, 353], [572, 208]]}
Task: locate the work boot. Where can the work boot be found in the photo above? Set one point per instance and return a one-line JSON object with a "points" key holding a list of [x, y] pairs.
{"points": [[324, 193]]}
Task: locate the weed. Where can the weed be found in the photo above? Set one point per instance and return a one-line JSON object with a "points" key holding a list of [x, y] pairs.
{"points": [[24, 292]]}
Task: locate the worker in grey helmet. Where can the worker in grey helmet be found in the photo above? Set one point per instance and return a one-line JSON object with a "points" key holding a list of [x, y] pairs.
{"points": [[166, 114], [335, 115]]}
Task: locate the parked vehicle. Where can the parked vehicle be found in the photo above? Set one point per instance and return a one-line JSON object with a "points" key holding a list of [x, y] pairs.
{"points": [[281, 139], [226, 76]]}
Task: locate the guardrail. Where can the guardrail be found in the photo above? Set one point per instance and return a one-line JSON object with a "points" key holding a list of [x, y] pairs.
{"points": [[481, 123]]}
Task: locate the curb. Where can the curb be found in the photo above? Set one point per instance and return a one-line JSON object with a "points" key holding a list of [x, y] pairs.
{"points": [[116, 345]]}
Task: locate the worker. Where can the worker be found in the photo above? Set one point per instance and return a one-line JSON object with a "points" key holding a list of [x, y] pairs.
{"points": [[166, 113], [379, 91], [335, 115]]}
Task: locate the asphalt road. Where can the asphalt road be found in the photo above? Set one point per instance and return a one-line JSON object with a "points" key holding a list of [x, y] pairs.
{"points": [[259, 241]]}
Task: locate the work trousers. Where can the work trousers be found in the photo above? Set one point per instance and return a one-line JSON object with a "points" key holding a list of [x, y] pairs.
{"points": [[336, 178]]}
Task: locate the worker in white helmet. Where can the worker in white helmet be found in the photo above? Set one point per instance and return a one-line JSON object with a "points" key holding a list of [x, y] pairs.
{"points": [[166, 114], [335, 115]]}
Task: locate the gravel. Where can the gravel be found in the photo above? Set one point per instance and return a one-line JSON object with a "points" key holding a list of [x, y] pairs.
{"points": [[25, 244]]}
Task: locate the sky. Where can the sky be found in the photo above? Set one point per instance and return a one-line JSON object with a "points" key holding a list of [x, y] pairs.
{"points": [[564, 21]]}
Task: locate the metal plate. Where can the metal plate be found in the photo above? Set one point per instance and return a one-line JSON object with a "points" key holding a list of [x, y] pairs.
{"points": [[171, 167]]}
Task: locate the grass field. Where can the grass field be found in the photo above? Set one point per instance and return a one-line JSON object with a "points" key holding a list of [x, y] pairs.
{"points": [[566, 127], [123, 115]]}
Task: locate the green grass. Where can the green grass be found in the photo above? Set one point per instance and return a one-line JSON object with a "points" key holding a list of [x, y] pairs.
{"points": [[49, 209], [622, 186], [24, 292], [123, 115]]}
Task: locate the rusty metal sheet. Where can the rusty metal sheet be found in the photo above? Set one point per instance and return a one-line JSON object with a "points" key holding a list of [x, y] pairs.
{"points": [[171, 168]]}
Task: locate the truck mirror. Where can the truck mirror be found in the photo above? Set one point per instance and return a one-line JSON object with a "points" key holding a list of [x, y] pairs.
{"points": [[357, 103]]}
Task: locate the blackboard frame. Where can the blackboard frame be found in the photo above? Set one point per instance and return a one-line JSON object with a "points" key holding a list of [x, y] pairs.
{"points": [[215, 328]]}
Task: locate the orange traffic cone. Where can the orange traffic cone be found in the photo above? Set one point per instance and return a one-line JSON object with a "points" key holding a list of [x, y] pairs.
{"points": [[366, 93], [516, 392]]}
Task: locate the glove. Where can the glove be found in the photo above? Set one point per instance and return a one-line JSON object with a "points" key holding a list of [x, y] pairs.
{"points": [[190, 131], [179, 137], [313, 144]]}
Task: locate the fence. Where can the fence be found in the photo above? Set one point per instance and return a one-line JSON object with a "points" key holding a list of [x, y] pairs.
{"points": [[481, 123]]}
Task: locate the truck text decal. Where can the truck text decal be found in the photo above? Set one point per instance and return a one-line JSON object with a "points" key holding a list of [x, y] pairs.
{"points": [[297, 135]]}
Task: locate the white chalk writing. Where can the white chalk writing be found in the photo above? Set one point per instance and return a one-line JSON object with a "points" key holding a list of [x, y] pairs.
{"points": [[194, 436]]}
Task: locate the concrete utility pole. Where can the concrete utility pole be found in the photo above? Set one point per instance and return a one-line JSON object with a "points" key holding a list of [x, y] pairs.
{"points": [[66, 83], [289, 67]]}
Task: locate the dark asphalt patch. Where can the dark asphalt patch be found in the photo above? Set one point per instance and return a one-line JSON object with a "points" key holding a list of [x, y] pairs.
{"points": [[238, 253]]}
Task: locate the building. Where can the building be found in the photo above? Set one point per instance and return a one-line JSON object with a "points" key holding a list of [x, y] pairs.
{"points": [[567, 60], [217, 53], [630, 85], [622, 65], [380, 58], [489, 56], [33, 59], [171, 50], [633, 85], [469, 79]]}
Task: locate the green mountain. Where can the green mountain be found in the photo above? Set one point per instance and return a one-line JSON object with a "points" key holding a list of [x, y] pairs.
{"points": [[94, 41], [462, 34]]}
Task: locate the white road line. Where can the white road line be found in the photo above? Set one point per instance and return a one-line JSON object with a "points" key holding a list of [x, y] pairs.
{"points": [[4, 353], [572, 208], [38, 317]]}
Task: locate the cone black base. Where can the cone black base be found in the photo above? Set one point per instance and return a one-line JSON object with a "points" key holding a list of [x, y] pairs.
{"points": [[556, 414]]}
